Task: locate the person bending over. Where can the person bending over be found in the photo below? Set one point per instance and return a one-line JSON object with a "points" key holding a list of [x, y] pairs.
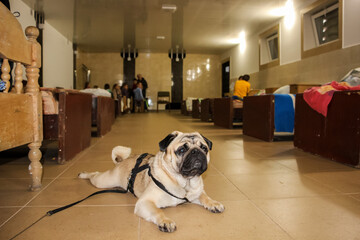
{"points": [[242, 87]]}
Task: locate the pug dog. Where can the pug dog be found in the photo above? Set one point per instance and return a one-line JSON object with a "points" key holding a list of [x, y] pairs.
{"points": [[174, 178]]}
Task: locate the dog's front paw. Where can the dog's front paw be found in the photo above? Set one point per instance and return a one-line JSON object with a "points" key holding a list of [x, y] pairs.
{"points": [[215, 207], [167, 225]]}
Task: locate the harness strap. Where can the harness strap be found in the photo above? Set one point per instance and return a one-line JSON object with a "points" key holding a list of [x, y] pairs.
{"points": [[135, 171], [162, 187], [138, 169]]}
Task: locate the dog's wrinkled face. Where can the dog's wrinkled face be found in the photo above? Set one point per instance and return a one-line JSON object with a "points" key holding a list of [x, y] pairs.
{"points": [[187, 153]]}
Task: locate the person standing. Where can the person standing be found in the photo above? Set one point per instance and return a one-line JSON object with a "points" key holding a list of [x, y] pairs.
{"points": [[144, 85], [138, 98], [116, 92]]}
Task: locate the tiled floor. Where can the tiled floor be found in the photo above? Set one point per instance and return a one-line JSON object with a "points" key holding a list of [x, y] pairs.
{"points": [[270, 190]]}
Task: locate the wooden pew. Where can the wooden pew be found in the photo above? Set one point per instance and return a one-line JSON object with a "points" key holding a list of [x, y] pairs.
{"points": [[103, 114], [21, 114], [71, 125], [207, 109], [196, 108], [336, 136], [259, 114], [226, 112]]}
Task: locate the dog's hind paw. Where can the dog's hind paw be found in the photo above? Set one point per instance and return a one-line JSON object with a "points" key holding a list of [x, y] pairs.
{"points": [[167, 225], [83, 175]]}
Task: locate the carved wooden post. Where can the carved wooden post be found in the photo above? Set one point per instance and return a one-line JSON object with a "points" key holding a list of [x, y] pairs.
{"points": [[18, 78], [32, 88], [5, 76]]}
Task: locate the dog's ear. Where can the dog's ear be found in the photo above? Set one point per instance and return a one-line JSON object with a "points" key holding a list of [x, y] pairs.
{"points": [[166, 141], [208, 142]]}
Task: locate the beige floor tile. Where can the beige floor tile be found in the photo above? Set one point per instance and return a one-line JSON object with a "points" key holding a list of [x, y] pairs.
{"points": [[344, 181], [356, 196], [278, 185], [15, 192], [297, 194], [233, 167], [211, 171], [321, 218], [51, 169], [87, 166], [65, 191], [312, 163], [6, 213], [107, 222], [241, 220], [95, 155], [221, 189]]}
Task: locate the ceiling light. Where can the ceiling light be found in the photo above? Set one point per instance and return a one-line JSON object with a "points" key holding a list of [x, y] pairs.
{"points": [[160, 37], [169, 7], [242, 41]]}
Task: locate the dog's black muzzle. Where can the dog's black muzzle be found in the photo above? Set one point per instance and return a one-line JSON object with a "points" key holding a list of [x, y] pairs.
{"points": [[195, 163]]}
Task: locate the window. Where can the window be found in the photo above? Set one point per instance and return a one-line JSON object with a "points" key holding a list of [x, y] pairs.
{"points": [[269, 48], [321, 27], [272, 45], [326, 25]]}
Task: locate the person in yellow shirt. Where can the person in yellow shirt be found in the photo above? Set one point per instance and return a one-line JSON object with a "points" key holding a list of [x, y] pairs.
{"points": [[242, 87]]}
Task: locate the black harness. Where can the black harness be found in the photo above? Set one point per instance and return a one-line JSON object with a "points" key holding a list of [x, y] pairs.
{"points": [[138, 169], [130, 188]]}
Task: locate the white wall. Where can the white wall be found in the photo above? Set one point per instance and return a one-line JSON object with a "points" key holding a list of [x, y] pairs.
{"points": [[57, 50], [58, 59], [26, 18], [290, 40], [351, 23], [243, 62]]}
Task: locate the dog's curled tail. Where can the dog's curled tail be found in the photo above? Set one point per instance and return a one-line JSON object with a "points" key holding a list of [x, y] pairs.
{"points": [[120, 153]]}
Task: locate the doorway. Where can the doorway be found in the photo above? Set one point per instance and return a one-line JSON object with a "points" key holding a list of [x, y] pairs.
{"points": [[225, 78]]}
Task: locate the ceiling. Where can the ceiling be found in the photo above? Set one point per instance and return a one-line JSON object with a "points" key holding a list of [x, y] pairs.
{"points": [[198, 26]]}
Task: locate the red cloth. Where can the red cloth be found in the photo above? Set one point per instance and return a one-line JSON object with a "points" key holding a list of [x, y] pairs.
{"points": [[319, 98]]}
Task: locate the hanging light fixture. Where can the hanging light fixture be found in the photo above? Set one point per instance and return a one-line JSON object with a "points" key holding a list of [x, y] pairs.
{"points": [[128, 54], [177, 55]]}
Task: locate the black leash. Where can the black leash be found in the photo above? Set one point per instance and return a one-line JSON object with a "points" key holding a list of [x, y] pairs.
{"points": [[52, 212], [130, 188]]}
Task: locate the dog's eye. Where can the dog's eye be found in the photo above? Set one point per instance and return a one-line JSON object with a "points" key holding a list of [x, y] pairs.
{"points": [[204, 148], [182, 150]]}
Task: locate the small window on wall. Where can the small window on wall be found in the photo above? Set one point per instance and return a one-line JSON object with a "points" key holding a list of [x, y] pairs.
{"points": [[272, 45], [326, 25], [321, 26], [269, 48]]}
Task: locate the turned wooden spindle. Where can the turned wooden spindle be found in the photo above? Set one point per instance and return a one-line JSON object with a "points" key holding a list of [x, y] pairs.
{"points": [[32, 71], [32, 88], [18, 78], [5, 76]]}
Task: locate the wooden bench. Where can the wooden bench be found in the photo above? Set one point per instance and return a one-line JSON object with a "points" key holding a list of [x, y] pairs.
{"points": [[207, 109], [103, 114], [226, 112], [196, 109], [258, 114], [71, 124], [21, 114], [336, 136]]}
